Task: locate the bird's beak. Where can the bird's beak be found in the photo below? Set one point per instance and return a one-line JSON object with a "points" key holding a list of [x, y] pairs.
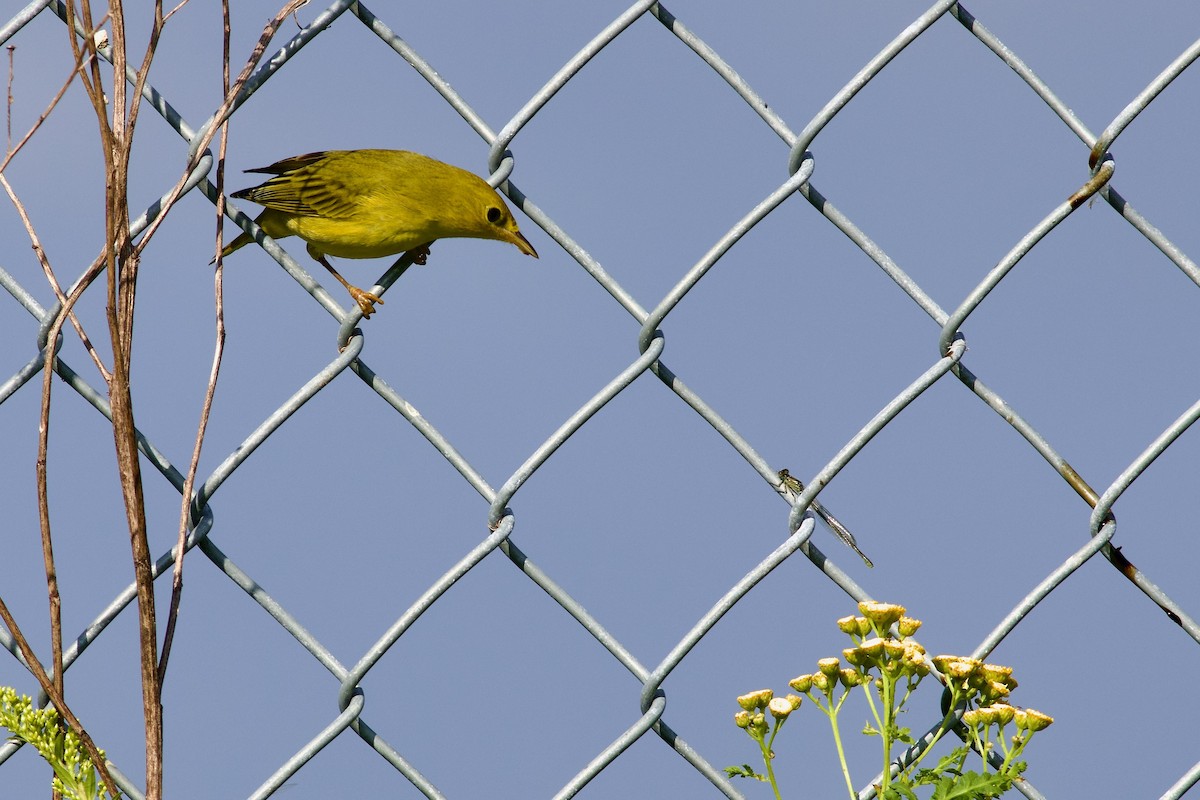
{"points": [[523, 244]]}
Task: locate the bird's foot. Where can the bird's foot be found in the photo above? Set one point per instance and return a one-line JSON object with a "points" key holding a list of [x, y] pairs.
{"points": [[420, 254], [366, 301]]}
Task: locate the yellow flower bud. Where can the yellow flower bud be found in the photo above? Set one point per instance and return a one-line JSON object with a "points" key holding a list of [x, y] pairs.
{"points": [[755, 700], [882, 615], [801, 683], [1004, 712], [780, 707], [1037, 720]]}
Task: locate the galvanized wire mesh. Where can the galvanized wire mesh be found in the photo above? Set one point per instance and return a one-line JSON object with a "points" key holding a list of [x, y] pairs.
{"points": [[504, 501]]}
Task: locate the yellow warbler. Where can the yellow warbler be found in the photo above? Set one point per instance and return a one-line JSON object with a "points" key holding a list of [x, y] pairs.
{"points": [[375, 203]]}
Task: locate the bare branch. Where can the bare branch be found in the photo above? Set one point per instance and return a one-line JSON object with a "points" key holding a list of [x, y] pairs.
{"points": [[92, 83], [171, 13], [76, 71], [120, 262], [37, 247], [144, 70], [219, 349], [221, 116], [51, 278], [222, 113], [53, 689], [12, 49]]}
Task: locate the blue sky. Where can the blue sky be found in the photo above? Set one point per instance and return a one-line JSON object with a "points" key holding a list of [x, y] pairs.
{"points": [[646, 515]]}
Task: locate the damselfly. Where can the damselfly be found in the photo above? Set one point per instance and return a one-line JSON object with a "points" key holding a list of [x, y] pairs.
{"points": [[795, 487]]}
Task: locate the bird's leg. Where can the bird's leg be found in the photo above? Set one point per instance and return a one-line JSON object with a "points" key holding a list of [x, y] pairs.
{"points": [[366, 301], [420, 254]]}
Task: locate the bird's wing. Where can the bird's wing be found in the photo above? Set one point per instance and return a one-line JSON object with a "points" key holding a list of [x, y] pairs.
{"points": [[285, 165], [304, 185]]}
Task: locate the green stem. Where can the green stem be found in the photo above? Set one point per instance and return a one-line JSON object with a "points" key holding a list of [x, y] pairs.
{"points": [[947, 723], [867, 685], [888, 697], [1014, 752], [837, 740], [767, 762]]}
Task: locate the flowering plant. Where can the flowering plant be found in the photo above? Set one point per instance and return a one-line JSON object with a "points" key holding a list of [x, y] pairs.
{"points": [[888, 664]]}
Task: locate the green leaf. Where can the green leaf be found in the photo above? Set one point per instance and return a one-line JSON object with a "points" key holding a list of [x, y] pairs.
{"points": [[972, 786], [899, 791], [925, 777], [744, 771]]}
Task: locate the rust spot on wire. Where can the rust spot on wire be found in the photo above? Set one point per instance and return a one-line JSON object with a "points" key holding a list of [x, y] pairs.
{"points": [[1094, 184]]}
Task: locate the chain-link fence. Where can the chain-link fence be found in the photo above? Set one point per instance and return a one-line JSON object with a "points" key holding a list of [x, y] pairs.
{"points": [[629, 562]]}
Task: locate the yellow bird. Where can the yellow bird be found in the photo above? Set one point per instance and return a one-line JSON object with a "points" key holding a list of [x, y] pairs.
{"points": [[375, 203]]}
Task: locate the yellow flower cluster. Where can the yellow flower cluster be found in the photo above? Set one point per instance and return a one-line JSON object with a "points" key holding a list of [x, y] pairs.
{"points": [[889, 664]]}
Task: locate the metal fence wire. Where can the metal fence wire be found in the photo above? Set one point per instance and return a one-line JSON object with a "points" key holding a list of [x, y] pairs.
{"points": [[357, 718]]}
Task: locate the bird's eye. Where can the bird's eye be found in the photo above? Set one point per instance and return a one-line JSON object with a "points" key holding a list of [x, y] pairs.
{"points": [[494, 215]]}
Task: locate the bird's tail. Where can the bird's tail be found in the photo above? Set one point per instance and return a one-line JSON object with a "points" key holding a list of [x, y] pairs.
{"points": [[241, 241]]}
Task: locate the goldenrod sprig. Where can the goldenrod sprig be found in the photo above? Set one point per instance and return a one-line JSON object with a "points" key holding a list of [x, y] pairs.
{"points": [[74, 774]]}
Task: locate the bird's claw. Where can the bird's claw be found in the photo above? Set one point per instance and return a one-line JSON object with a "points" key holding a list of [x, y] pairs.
{"points": [[420, 254], [366, 301]]}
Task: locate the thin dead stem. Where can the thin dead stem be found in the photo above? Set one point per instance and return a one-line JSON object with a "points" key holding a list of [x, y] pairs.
{"points": [[90, 77], [123, 264], [220, 122], [60, 704], [54, 690], [54, 687], [120, 261], [12, 49], [50, 276], [37, 247], [54, 597], [185, 521], [222, 113], [75, 72], [171, 13]]}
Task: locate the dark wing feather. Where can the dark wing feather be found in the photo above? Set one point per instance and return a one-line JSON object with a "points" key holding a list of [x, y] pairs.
{"points": [[285, 165], [307, 186]]}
